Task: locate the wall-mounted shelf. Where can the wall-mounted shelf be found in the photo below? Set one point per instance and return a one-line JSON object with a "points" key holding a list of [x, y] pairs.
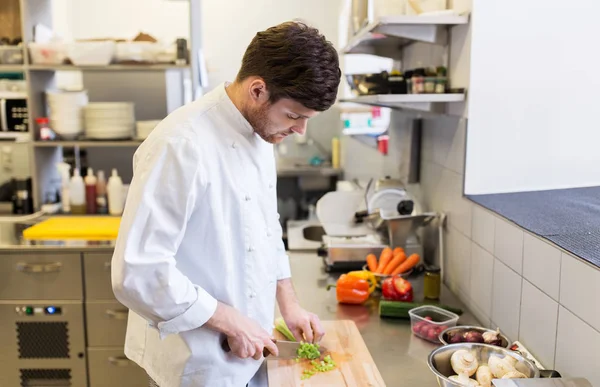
{"points": [[13, 94], [387, 35], [12, 68], [114, 67], [418, 102], [88, 143]]}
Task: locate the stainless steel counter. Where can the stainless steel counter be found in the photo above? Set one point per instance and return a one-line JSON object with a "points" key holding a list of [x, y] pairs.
{"points": [[400, 356]]}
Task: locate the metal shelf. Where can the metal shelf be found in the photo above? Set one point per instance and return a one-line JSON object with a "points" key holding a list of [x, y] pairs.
{"points": [[88, 143], [12, 68], [114, 67], [387, 35], [419, 102]]}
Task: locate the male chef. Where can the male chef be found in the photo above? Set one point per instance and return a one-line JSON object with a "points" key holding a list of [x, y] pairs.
{"points": [[199, 260]]}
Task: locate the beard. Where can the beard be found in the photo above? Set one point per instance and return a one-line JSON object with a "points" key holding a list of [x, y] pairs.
{"points": [[263, 126]]}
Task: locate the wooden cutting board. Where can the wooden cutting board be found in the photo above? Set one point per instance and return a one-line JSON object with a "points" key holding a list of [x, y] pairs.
{"points": [[355, 366]]}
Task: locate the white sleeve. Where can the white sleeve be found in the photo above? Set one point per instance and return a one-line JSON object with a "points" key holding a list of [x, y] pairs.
{"points": [[145, 278]]}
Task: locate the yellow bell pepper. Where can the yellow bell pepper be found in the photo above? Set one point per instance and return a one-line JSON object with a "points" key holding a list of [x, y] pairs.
{"points": [[367, 276]]}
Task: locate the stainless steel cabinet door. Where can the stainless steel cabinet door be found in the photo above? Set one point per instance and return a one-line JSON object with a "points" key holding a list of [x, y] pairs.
{"points": [[110, 368], [40, 276], [96, 268], [106, 323]]}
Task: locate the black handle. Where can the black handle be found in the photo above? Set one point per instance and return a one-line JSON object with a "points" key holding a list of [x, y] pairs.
{"points": [[227, 348]]}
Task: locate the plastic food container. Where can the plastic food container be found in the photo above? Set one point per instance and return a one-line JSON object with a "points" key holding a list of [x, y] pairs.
{"points": [[48, 53], [92, 53], [11, 55], [427, 322]]}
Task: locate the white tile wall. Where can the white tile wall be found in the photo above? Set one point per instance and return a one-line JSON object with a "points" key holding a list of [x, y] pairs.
{"points": [[458, 261], [482, 272], [480, 315], [454, 204], [538, 323], [580, 289], [508, 244], [506, 301], [483, 228], [541, 265], [577, 348]]}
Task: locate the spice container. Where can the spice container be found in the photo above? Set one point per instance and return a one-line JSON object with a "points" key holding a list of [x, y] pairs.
{"points": [[397, 83], [440, 85], [418, 81], [429, 85], [432, 283]]}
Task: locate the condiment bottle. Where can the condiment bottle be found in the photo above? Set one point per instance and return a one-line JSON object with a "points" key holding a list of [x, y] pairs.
{"points": [[101, 200], [115, 194], [90, 192], [432, 283], [77, 192]]}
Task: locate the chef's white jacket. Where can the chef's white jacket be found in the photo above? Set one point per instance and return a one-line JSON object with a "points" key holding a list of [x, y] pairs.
{"points": [[200, 225]]}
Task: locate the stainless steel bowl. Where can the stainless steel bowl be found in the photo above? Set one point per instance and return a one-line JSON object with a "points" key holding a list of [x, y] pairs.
{"points": [[462, 328], [439, 360]]}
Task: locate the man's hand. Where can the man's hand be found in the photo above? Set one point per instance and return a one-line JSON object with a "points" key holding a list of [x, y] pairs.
{"points": [[305, 326], [245, 337]]}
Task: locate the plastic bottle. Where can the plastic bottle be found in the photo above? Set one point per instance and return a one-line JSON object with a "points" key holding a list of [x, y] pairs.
{"points": [[335, 152], [101, 201], [77, 193], [65, 176], [115, 194], [90, 192]]}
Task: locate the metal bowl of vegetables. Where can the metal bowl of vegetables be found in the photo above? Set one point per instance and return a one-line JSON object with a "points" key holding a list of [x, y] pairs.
{"points": [[474, 364], [472, 334]]}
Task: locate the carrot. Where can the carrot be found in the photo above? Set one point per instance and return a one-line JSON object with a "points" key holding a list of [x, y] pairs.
{"points": [[384, 259], [398, 250], [372, 262], [407, 265], [397, 260]]}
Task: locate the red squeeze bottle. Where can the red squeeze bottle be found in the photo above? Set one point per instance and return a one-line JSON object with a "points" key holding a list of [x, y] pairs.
{"points": [[90, 192]]}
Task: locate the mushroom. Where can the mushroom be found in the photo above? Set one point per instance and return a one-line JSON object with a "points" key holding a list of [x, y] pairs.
{"points": [[464, 380], [500, 367], [484, 376], [464, 361]]}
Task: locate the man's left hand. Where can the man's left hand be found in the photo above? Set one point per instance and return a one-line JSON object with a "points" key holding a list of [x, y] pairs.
{"points": [[305, 326]]}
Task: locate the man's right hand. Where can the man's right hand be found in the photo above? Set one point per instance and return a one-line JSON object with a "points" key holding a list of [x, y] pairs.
{"points": [[245, 337]]}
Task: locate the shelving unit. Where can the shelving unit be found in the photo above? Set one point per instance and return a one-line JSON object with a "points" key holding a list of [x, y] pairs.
{"points": [[39, 78], [419, 102], [386, 36], [88, 144]]}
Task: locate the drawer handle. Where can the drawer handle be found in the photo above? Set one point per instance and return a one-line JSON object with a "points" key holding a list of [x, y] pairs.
{"points": [[52, 267], [117, 314], [119, 361]]}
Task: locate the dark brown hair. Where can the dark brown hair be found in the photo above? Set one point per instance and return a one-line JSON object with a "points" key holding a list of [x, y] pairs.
{"points": [[296, 62]]}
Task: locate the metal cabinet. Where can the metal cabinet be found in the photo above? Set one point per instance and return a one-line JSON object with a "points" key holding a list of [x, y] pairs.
{"points": [[96, 268], [110, 368], [40, 276], [106, 323], [42, 344]]}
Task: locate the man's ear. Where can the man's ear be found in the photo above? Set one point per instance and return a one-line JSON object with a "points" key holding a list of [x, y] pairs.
{"points": [[258, 91]]}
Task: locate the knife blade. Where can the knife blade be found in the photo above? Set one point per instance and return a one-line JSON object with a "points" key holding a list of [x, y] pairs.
{"points": [[287, 349]]}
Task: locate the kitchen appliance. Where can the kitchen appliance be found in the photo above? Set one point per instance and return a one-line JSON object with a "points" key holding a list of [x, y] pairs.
{"points": [[392, 218], [42, 343], [22, 199], [14, 115]]}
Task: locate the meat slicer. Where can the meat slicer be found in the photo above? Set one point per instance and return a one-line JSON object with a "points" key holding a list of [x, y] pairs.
{"points": [[358, 223]]}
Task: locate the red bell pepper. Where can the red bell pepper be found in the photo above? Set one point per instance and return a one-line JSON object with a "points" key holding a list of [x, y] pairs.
{"points": [[397, 289]]}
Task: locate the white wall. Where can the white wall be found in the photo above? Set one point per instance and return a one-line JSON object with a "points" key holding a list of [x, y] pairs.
{"points": [[532, 100]]}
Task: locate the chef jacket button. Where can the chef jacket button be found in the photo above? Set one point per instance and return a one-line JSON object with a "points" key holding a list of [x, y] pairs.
{"points": [[234, 145], [270, 185], [269, 232], [250, 249], [247, 198]]}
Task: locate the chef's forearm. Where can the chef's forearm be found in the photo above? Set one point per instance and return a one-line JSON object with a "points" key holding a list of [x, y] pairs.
{"points": [[223, 320], [286, 295]]}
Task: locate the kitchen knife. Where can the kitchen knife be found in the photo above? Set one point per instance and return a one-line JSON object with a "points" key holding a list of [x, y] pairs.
{"points": [[287, 349]]}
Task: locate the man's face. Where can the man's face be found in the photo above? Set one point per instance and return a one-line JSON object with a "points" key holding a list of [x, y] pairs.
{"points": [[275, 121]]}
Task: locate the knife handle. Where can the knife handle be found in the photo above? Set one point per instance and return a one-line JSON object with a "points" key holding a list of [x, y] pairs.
{"points": [[227, 348]]}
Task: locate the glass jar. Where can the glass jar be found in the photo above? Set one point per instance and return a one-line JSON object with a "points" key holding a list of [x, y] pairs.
{"points": [[432, 283]]}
